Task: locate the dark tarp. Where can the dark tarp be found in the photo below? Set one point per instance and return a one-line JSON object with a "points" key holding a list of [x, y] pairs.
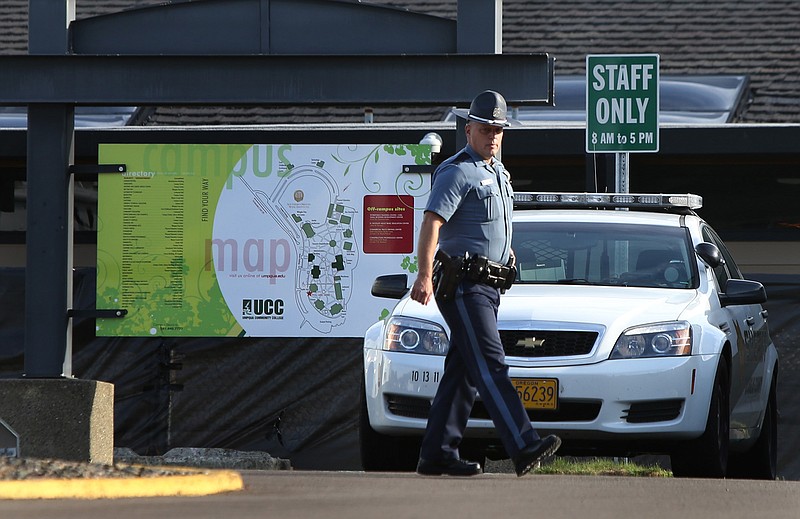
{"points": [[295, 398]]}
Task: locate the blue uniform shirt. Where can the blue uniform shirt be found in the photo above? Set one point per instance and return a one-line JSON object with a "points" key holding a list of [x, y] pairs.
{"points": [[476, 200]]}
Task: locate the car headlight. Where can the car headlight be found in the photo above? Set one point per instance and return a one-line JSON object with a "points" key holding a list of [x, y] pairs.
{"points": [[655, 340], [415, 336]]}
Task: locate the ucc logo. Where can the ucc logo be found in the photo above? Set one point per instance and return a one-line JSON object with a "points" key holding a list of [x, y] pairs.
{"points": [[262, 306]]}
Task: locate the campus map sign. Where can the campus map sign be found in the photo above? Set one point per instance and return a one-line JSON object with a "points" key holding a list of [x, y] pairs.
{"points": [[622, 103], [254, 240]]}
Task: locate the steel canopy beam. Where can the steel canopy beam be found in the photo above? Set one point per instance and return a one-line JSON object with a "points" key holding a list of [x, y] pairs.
{"points": [[426, 80]]}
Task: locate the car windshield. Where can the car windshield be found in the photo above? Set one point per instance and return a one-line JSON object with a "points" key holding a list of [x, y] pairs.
{"points": [[604, 254]]}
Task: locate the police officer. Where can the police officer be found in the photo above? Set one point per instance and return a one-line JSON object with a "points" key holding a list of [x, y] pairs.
{"points": [[469, 212]]}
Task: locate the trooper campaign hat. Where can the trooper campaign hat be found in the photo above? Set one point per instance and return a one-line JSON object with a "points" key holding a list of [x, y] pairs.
{"points": [[488, 107]]}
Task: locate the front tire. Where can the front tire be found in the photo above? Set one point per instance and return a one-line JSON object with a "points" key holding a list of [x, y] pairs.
{"points": [[707, 456], [382, 453]]}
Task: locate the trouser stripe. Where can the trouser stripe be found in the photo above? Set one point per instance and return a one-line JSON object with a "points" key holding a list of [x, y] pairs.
{"points": [[486, 376]]}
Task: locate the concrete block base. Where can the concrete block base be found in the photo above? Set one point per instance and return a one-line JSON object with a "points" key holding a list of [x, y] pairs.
{"points": [[67, 419]]}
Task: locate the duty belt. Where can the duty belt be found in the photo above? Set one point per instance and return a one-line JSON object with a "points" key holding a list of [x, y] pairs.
{"points": [[481, 269], [448, 271]]}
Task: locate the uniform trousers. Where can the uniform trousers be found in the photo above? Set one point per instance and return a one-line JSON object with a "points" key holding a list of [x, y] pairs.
{"points": [[475, 362]]}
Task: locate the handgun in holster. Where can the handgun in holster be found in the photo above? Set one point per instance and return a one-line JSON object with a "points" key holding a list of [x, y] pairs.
{"points": [[447, 274]]}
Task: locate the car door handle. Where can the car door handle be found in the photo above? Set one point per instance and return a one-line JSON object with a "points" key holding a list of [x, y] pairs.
{"points": [[750, 321]]}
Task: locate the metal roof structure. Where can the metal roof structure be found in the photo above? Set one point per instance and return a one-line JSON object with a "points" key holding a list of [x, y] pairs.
{"points": [[754, 38]]}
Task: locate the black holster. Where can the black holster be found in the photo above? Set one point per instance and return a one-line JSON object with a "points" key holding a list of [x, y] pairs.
{"points": [[481, 269], [447, 274]]}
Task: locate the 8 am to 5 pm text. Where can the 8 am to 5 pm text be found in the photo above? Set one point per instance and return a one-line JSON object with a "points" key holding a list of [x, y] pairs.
{"points": [[621, 138]]}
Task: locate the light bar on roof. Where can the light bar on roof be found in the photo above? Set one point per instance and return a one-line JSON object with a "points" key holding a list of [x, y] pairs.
{"points": [[613, 200]]}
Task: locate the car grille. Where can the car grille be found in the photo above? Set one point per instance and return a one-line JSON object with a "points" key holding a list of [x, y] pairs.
{"points": [[653, 411], [550, 343], [415, 407]]}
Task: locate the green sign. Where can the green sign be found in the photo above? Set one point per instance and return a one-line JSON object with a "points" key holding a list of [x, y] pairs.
{"points": [[622, 102], [258, 240]]}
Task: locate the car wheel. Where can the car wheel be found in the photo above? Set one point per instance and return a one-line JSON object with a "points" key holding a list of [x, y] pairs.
{"points": [[382, 453], [707, 456], [761, 461]]}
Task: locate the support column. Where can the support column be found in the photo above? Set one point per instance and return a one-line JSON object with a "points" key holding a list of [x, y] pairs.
{"points": [[479, 30], [48, 23], [50, 194], [479, 27], [54, 415], [48, 264]]}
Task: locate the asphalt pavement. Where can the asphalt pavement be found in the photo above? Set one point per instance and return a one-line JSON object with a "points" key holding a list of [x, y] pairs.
{"points": [[350, 495]]}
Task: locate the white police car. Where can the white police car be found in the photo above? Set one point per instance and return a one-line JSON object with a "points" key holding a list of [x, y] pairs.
{"points": [[627, 332]]}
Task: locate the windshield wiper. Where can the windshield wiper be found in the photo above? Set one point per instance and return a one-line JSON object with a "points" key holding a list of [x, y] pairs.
{"points": [[573, 281]]}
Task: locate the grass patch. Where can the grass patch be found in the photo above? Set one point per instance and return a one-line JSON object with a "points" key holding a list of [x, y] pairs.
{"points": [[602, 467]]}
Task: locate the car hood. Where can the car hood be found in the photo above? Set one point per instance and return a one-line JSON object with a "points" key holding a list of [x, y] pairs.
{"points": [[624, 306], [580, 306]]}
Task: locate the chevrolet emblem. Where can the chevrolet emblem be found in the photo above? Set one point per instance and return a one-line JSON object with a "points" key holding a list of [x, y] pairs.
{"points": [[530, 343]]}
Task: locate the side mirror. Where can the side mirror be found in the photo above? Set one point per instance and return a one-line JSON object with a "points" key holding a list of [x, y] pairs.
{"points": [[743, 292], [392, 286], [709, 253]]}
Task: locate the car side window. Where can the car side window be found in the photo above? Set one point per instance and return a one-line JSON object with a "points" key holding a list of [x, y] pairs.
{"points": [[729, 269]]}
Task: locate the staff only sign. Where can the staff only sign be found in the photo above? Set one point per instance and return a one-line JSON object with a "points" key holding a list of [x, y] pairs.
{"points": [[254, 240], [622, 103]]}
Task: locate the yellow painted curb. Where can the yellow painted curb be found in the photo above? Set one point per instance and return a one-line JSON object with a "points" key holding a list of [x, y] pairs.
{"points": [[213, 482]]}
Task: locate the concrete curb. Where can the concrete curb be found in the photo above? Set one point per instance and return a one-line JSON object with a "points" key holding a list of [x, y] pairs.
{"points": [[207, 458], [179, 472], [190, 484]]}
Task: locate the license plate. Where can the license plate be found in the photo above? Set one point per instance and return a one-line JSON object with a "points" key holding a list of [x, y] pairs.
{"points": [[537, 393]]}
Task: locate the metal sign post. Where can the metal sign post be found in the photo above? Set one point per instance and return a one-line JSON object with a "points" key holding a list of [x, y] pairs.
{"points": [[621, 173]]}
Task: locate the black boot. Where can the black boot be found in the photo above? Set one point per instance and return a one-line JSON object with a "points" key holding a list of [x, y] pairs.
{"points": [[535, 453], [448, 467]]}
